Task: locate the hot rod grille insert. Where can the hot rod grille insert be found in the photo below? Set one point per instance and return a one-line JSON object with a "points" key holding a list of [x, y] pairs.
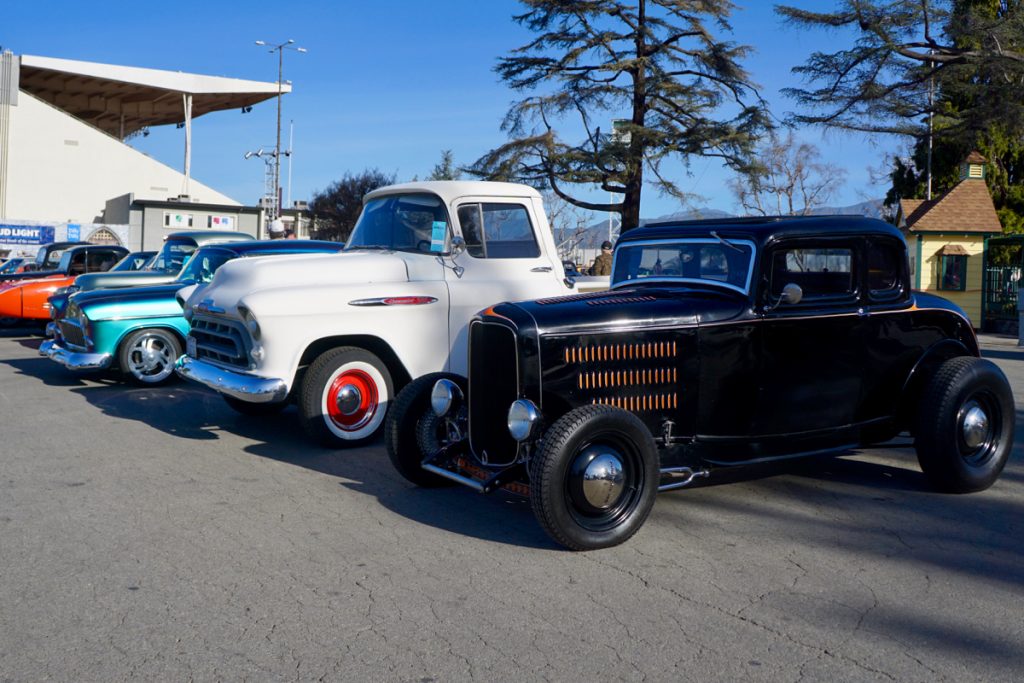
{"points": [[634, 376], [493, 386], [219, 340]]}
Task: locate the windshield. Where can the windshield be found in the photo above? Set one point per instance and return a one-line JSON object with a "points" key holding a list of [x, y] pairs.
{"points": [[698, 260], [405, 222], [11, 266], [173, 256], [204, 264], [48, 259], [136, 261]]}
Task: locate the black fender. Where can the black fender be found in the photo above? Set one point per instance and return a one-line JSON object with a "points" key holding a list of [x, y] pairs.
{"points": [[934, 356]]}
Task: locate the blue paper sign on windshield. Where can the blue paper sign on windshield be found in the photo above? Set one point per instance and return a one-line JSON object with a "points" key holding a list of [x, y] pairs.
{"points": [[437, 236]]}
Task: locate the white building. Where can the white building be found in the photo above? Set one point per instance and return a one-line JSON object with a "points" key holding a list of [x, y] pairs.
{"points": [[64, 162]]}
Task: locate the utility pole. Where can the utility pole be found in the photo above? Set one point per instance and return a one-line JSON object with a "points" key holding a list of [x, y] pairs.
{"points": [[279, 49]]}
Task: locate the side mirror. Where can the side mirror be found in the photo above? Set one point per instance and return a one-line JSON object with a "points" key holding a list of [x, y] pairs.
{"points": [[791, 294], [458, 245]]}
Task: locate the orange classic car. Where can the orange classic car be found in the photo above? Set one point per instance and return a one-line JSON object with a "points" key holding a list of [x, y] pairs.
{"points": [[26, 299]]}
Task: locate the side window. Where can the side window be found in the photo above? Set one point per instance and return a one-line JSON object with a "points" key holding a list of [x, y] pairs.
{"points": [[821, 272], [77, 266], [498, 231], [884, 265]]}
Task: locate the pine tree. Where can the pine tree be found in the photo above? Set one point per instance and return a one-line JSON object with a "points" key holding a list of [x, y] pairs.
{"points": [[680, 90]]}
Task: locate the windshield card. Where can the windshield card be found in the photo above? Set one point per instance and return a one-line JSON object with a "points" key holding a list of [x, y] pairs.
{"points": [[438, 233]]}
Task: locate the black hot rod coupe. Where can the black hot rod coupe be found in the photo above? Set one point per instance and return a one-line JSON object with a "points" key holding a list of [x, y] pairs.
{"points": [[720, 343]]}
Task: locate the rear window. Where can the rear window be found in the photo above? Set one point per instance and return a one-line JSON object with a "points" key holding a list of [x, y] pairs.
{"points": [[821, 272]]}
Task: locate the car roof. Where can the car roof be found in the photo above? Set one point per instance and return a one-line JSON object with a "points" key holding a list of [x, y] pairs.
{"points": [[201, 237], [256, 246], [763, 230]]}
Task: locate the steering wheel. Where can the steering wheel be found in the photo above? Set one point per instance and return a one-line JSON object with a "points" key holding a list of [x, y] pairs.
{"points": [[423, 245]]}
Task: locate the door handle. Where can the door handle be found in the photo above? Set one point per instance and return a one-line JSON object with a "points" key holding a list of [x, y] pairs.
{"points": [[541, 269]]}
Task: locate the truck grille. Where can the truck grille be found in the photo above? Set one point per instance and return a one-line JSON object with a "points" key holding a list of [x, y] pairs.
{"points": [[493, 386], [220, 340], [72, 333]]}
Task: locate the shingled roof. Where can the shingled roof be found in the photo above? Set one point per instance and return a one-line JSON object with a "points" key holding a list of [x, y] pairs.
{"points": [[967, 207]]}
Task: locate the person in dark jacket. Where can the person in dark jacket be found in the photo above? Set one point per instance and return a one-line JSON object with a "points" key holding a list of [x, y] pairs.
{"points": [[603, 263]]}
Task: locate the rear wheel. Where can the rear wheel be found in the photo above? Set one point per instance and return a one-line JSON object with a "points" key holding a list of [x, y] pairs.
{"points": [[413, 430], [345, 396], [594, 479], [965, 425], [147, 356]]}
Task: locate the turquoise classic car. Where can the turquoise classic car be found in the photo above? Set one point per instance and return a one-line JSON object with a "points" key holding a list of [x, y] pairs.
{"points": [[141, 330]]}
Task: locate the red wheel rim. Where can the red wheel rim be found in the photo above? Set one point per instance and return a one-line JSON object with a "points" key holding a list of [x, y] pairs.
{"points": [[358, 408]]}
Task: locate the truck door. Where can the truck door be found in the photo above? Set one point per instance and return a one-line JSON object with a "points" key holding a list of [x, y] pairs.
{"points": [[507, 258]]}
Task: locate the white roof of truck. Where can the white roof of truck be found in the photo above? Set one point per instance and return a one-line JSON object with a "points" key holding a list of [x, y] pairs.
{"points": [[450, 190]]}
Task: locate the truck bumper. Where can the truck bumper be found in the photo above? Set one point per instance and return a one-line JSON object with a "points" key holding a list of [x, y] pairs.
{"points": [[73, 360], [240, 385]]}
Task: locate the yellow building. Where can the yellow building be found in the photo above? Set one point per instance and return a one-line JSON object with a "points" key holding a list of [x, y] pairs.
{"points": [[947, 238]]}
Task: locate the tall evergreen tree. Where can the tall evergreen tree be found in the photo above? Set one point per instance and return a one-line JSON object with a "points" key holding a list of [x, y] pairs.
{"points": [[445, 169], [681, 91]]}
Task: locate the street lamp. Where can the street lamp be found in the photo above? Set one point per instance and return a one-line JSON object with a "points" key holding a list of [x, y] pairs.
{"points": [[279, 49]]}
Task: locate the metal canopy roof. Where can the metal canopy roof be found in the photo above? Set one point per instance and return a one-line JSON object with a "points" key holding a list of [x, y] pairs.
{"points": [[121, 100]]}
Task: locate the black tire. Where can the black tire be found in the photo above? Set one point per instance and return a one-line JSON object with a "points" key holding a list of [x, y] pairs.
{"points": [[955, 458], [556, 494], [146, 357], [254, 409], [412, 427], [323, 419]]}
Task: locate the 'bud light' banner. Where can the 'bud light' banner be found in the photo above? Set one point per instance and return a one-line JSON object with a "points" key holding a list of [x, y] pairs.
{"points": [[25, 234]]}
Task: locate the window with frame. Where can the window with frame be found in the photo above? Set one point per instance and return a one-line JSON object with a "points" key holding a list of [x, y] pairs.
{"points": [[498, 231], [884, 265], [821, 272], [953, 272]]}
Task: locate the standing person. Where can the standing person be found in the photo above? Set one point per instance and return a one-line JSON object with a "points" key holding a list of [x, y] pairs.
{"points": [[603, 263]]}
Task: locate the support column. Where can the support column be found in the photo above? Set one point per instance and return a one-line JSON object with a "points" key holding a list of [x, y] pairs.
{"points": [[187, 101]]}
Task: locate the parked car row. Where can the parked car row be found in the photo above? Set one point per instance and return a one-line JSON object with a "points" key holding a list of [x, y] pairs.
{"points": [[448, 323]]}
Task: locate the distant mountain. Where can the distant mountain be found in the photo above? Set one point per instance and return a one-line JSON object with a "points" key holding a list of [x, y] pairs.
{"points": [[872, 209]]}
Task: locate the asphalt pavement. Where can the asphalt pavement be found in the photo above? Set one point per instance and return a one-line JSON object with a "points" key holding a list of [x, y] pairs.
{"points": [[154, 534]]}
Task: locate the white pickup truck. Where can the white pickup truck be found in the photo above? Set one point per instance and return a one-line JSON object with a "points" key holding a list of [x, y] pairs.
{"points": [[340, 334]]}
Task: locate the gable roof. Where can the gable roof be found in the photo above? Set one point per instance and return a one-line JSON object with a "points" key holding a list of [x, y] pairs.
{"points": [[967, 207]]}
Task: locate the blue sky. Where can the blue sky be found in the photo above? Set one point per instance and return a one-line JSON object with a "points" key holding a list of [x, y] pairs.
{"points": [[385, 84]]}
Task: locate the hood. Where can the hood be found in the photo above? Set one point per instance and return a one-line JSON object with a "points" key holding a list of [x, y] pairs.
{"points": [[239, 277], [128, 294], [629, 307], [137, 278]]}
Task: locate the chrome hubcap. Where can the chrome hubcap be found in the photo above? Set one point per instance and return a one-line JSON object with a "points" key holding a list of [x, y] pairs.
{"points": [[151, 359], [349, 399], [974, 425], [602, 478]]}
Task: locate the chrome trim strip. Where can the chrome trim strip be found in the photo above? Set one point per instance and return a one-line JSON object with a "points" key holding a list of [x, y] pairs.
{"points": [[240, 385], [383, 300], [75, 361]]}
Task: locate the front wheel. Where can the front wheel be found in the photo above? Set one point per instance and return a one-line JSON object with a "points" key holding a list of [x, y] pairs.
{"points": [[147, 356], [413, 430], [964, 431], [345, 396], [594, 479]]}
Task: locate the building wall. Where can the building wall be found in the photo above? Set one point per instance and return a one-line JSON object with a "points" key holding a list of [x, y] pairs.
{"points": [[930, 264], [149, 229], [61, 169]]}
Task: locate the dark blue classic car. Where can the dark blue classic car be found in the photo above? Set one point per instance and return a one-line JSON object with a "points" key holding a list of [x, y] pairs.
{"points": [[720, 343], [141, 330]]}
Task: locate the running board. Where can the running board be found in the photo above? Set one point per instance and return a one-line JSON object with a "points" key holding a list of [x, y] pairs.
{"points": [[678, 477]]}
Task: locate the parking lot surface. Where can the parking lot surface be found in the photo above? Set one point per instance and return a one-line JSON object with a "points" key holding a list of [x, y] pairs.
{"points": [[154, 534]]}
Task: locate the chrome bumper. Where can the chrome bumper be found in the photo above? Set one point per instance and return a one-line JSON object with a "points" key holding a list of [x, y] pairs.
{"points": [[51, 331], [73, 360], [240, 385]]}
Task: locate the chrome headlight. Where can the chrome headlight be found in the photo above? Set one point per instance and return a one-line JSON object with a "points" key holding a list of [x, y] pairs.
{"points": [[445, 397], [523, 418], [250, 322]]}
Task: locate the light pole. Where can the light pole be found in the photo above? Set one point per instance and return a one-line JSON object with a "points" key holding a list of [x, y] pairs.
{"points": [[279, 49]]}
